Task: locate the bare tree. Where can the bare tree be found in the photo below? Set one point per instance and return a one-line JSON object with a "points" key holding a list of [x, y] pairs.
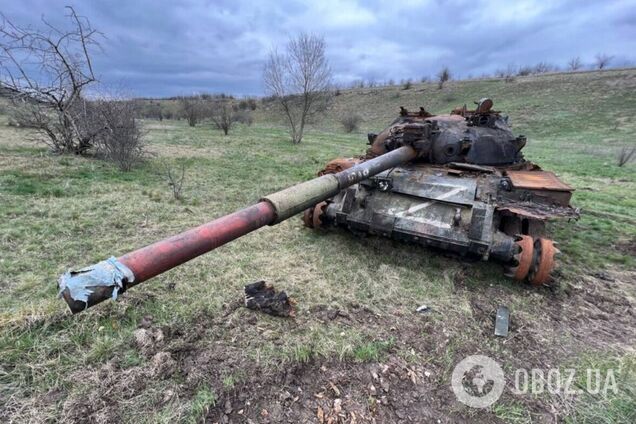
{"points": [[49, 69], [223, 116], [192, 108], [602, 60], [443, 76], [299, 80], [575, 64]]}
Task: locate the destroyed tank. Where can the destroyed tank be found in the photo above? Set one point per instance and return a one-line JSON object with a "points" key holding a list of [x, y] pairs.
{"points": [[455, 182], [470, 191]]}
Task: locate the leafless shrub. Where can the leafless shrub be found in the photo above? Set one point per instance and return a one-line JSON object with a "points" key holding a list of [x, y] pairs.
{"points": [[299, 79], [443, 76], [175, 178], [424, 79], [48, 70], [542, 68], [350, 122], [121, 140], [508, 74], [246, 104], [358, 84], [575, 64], [192, 108], [223, 115], [625, 155], [244, 117], [407, 85], [602, 60], [524, 71]]}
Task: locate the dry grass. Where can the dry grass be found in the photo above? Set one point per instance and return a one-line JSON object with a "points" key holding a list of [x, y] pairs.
{"points": [[62, 211]]}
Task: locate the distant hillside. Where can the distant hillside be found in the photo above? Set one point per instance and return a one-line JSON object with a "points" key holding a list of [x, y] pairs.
{"points": [[587, 97]]}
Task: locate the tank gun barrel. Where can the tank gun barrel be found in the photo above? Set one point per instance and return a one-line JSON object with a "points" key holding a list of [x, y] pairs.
{"points": [[89, 286]]}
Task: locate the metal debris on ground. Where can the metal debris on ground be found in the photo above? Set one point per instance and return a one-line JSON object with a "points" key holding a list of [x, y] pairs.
{"points": [[261, 296], [502, 321], [423, 309]]}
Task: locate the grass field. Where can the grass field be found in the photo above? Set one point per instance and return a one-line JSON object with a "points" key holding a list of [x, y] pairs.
{"points": [[179, 349]]}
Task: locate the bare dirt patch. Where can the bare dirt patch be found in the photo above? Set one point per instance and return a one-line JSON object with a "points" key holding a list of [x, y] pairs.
{"points": [[410, 382]]}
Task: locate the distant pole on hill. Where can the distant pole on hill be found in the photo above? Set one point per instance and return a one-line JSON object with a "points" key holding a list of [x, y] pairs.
{"points": [[299, 80]]}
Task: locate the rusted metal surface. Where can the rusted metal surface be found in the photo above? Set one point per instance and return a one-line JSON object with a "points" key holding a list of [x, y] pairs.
{"points": [[163, 255], [312, 217], [317, 216], [546, 253], [525, 257], [308, 217], [537, 180], [338, 165]]}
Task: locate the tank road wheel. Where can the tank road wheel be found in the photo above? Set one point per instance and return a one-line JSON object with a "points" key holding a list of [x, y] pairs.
{"points": [[524, 257], [308, 217], [535, 260], [312, 217], [545, 253], [319, 210]]}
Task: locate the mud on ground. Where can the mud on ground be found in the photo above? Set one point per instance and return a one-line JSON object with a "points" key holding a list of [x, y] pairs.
{"points": [[409, 382]]}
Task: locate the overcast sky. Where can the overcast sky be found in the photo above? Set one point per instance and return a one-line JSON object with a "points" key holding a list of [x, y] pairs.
{"points": [[164, 48]]}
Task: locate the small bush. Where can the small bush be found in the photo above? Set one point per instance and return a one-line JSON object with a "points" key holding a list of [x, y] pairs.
{"points": [[407, 85], [175, 179], [350, 122], [625, 155], [450, 97], [543, 68], [524, 71], [121, 140], [244, 117]]}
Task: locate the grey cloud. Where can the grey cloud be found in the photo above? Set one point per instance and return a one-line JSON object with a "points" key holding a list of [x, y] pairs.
{"points": [[162, 48]]}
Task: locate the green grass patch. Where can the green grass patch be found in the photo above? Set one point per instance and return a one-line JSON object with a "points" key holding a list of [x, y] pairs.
{"points": [[373, 351]]}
